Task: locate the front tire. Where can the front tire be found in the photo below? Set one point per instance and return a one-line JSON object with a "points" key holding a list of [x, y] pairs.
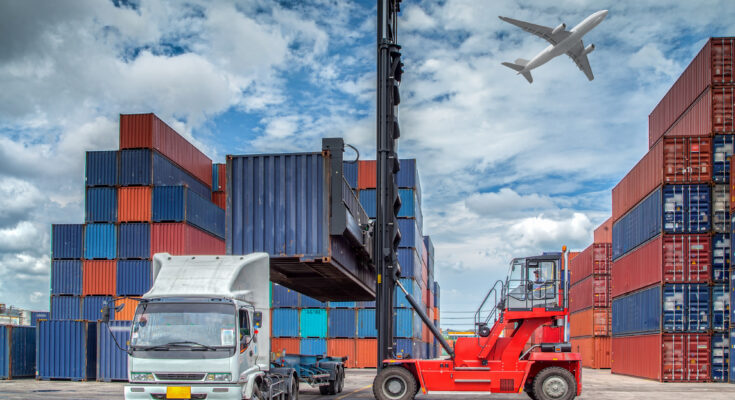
{"points": [[394, 383], [554, 383], [294, 395]]}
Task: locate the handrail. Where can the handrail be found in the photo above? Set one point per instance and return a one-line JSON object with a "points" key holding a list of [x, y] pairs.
{"points": [[492, 313]]}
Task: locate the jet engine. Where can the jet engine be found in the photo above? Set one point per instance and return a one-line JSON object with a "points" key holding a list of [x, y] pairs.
{"points": [[588, 49], [559, 29]]}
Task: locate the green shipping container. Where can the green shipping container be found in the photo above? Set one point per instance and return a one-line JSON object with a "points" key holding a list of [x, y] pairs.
{"points": [[313, 322]]}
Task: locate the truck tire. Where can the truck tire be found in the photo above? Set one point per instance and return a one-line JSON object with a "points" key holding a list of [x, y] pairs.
{"points": [[330, 389], [294, 394], [394, 383], [554, 383], [529, 392], [341, 386]]}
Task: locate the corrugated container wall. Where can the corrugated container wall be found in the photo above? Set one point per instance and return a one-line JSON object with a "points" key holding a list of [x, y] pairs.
{"points": [[367, 353], [342, 323], [349, 170], [134, 241], [178, 204], [720, 360], [627, 273], [285, 322], [112, 363], [637, 313], [720, 257], [127, 313], [641, 224], [134, 204], [310, 302], [722, 151], [145, 167], [92, 307], [66, 350], [290, 345], [182, 239], [343, 348], [133, 277], [590, 322], [99, 277], [313, 346], [645, 176], [284, 297], [17, 352], [66, 277], [66, 307], [594, 259], [101, 168], [366, 174], [313, 323], [100, 204], [100, 241], [603, 233], [67, 241], [596, 351], [366, 323]]}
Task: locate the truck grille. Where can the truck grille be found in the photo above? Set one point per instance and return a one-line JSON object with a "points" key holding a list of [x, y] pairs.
{"points": [[180, 377]]}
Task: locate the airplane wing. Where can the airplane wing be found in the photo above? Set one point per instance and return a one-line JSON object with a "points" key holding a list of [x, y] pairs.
{"points": [[541, 31], [577, 55]]}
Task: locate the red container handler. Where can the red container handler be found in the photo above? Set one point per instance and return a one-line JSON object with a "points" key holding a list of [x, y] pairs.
{"points": [[148, 131], [99, 277], [595, 259], [663, 357], [593, 291], [603, 233], [180, 239]]}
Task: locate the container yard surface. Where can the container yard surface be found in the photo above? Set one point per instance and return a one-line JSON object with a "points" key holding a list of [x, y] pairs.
{"points": [[597, 385]]}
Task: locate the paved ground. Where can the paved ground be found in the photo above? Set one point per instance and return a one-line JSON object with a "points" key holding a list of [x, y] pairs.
{"points": [[598, 385]]}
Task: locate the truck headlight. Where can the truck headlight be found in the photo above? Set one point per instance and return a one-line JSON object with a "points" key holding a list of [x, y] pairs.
{"points": [[142, 377], [219, 377]]}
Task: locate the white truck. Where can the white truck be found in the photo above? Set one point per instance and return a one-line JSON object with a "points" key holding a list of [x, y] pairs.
{"points": [[203, 332]]}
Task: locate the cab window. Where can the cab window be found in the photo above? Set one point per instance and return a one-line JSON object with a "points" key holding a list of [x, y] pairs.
{"points": [[244, 323]]}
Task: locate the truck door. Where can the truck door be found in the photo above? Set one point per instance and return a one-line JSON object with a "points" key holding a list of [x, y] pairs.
{"points": [[248, 340], [543, 285]]}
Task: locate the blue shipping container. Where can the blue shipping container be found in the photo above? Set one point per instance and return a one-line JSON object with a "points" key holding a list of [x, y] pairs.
{"points": [[406, 323], [732, 354], [409, 348], [66, 350], [66, 277], [720, 257], [342, 323], [66, 307], [179, 204], [100, 204], [408, 176], [309, 302], [17, 352], [342, 304], [410, 234], [100, 241], [720, 356], [36, 315], [112, 363], [66, 241], [722, 151], [285, 322], [133, 277], [721, 208], [313, 323], [313, 347], [699, 305], [92, 307], [284, 297], [639, 225], [674, 308], [215, 178], [134, 241], [367, 200], [366, 304], [414, 289], [366, 323], [410, 206], [436, 295], [144, 167], [637, 313], [699, 209], [410, 263], [349, 171], [101, 168]]}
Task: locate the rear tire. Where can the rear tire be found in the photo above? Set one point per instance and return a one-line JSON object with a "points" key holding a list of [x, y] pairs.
{"points": [[529, 392], [554, 383], [294, 395], [394, 383], [341, 385]]}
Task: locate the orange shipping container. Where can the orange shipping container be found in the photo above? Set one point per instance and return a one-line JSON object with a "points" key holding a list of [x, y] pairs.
{"points": [[98, 277], [128, 312], [367, 353], [134, 204], [366, 174], [590, 322], [603, 233], [291, 345], [436, 313], [595, 351], [343, 348]]}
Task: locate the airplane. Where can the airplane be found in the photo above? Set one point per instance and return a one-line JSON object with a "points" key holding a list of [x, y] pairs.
{"points": [[562, 41]]}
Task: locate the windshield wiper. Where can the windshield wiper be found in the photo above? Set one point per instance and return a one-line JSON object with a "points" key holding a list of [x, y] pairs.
{"points": [[167, 346], [184, 342]]}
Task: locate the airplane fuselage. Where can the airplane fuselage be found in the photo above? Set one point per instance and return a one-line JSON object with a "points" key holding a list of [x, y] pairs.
{"points": [[565, 45]]}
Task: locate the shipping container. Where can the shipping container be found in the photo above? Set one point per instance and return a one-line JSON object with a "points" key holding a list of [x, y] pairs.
{"points": [[687, 160], [219, 177], [603, 233], [667, 357], [637, 313], [284, 297], [66, 307], [67, 241], [100, 204], [411, 265], [366, 304], [406, 323], [133, 277], [289, 345], [722, 150], [410, 206], [593, 291], [712, 66], [642, 179], [720, 357], [595, 351], [732, 354], [66, 350], [220, 199], [686, 208], [127, 313], [307, 218], [366, 323], [17, 352], [408, 176], [720, 307], [409, 348], [313, 323], [100, 241], [342, 304], [367, 199], [721, 208], [286, 322], [178, 204], [66, 277], [720, 257], [367, 174], [367, 353], [343, 348], [134, 204], [342, 323], [36, 315], [100, 168], [99, 277], [310, 302], [112, 362], [148, 131], [183, 239], [349, 170], [596, 258], [134, 241], [313, 346], [144, 167], [92, 307], [590, 322], [413, 288], [642, 223], [410, 235]]}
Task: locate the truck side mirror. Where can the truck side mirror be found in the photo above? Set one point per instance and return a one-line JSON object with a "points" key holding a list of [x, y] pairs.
{"points": [[257, 319]]}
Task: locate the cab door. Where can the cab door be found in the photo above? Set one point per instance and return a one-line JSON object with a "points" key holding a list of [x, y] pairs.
{"points": [[248, 340]]}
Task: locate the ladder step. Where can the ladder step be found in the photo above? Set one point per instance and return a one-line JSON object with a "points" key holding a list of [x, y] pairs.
{"points": [[472, 381]]}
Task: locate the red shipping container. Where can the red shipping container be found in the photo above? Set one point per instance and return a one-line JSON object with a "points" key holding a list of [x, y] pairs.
{"points": [[603, 233], [148, 131], [99, 277], [687, 160], [596, 258], [637, 269], [594, 291], [644, 178], [221, 178], [343, 348], [367, 174], [595, 351], [712, 66], [732, 187], [590, 322], [429, 297], [290, 345], [367, 353], [220, 198], [666, 358], [134, 204], [180, 239]]}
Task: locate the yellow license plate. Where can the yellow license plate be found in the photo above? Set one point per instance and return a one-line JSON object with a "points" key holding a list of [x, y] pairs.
{"points": [[178, 392]]}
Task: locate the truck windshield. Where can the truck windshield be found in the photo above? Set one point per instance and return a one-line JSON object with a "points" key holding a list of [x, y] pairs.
{"points": [[159, 326]]}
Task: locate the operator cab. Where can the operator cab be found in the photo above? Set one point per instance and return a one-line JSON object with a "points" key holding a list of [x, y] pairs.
{"points": [[534, 282]]}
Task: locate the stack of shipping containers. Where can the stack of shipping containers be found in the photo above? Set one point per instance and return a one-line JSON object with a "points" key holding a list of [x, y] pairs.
{"points": [[671, 232], [589, 300], [153, 195]]}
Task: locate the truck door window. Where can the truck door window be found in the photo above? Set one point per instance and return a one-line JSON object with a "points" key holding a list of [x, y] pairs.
{"points": [[244, 324]]}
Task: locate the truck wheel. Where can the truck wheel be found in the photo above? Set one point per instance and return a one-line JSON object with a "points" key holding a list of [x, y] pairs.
{"points": [[341, 385], [294, 395], [394, 383], [529, 392], [554, 383]]}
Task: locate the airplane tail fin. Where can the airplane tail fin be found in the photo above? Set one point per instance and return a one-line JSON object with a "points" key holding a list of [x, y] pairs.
{"points": [[519, 66]]}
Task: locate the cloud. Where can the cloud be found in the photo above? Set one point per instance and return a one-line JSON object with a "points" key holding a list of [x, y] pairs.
{"points": [[506, 202]]}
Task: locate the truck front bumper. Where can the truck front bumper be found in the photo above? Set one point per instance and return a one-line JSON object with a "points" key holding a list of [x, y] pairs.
{"points": [[158, 391]]}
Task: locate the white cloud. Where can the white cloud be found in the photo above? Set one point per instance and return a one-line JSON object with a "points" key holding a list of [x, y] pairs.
{"points": [[506, 202], [21, 237]]}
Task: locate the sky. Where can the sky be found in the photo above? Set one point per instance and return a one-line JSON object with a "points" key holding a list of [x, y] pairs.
{"points": [[507, 169]]}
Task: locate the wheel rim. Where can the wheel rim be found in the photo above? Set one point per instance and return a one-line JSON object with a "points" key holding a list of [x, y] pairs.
{"points": [[555, 387], [394, 387]]}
